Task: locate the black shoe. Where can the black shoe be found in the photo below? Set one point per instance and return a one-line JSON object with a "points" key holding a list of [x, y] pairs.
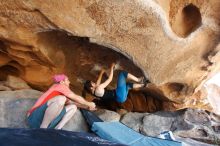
{"points": [[145, 81]]}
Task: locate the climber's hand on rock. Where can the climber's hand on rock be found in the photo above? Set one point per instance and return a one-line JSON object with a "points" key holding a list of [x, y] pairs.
{"points": [[113, 66]]}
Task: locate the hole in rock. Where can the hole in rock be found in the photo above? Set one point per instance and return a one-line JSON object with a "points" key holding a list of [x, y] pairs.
{"points": [[187, 20], [8, 70]]}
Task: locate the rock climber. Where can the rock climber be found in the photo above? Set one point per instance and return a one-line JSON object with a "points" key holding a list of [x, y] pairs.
{"points": [[118, 94]]}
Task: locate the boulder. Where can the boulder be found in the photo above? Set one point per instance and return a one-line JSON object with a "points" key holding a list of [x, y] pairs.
{"points": [[19, 94], [134, 120], [155, 123], [14, 106], [190, 123], [197, 117], [77, 123], [107, 115], [3, 87], [16, 83]]}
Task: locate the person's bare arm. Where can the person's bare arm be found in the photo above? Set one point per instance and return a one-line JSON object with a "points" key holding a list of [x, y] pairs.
{"points": [[82, 101], [81, 106], [108, 81], [100, 77]]}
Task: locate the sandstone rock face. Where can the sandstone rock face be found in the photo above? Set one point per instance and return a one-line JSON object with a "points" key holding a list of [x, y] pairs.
{"points": [[16, 83], [174, 43], [137, 101], [213, 95], [3, 87]]}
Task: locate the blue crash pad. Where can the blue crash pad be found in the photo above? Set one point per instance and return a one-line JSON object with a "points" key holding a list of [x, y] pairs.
{"points": [[152, 141], [117, 132]]}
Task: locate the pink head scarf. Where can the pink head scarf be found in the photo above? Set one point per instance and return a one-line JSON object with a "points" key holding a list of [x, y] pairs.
{"points": [[59, 77]]}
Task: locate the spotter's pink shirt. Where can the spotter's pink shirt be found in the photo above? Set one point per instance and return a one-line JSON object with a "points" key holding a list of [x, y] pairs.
{"points": [[54, 90]]}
